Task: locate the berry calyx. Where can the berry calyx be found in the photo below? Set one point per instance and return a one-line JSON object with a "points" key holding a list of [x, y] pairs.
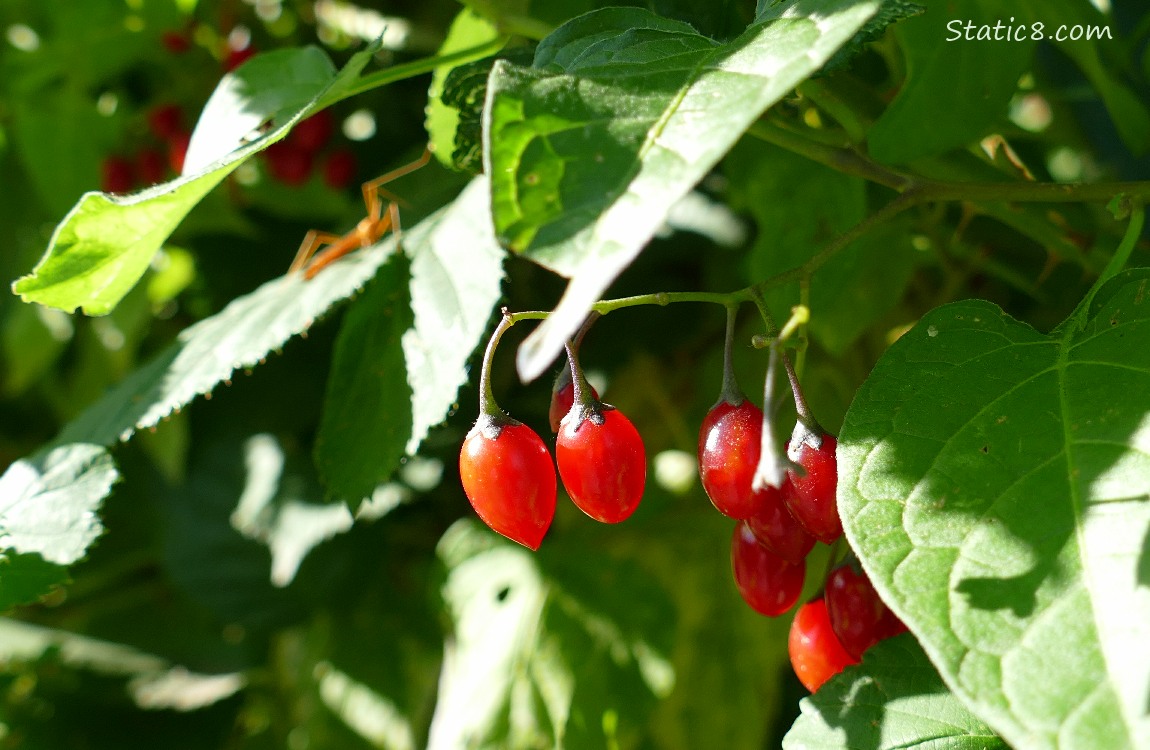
{"points": [[775, 527], [815, 651], [855, 610], [729, 446], [767, 582], [602, 462], [509, 479], [810, 497]]}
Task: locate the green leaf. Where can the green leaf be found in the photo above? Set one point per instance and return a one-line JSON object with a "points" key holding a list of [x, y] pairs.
{"points": [[530, 664], [955, 92], [24, 578], [106, 242], [619, 117], [209, 352], [48, 503], [403, 350], [893, 700], [995, 483]]}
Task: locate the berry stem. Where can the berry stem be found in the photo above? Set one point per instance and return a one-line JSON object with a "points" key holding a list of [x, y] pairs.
{"points": [[730, 392], [488, 406]]}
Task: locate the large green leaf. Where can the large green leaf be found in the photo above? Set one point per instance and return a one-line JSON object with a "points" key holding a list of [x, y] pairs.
{"points": [[893, 700], [618, 118], [106, 242], [995, 483], [403, 350], [954, 91]]}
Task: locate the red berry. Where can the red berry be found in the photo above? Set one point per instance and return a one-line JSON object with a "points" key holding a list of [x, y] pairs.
{"points": [[729, 447], [811, 498], [854, 608], [178, 151], [767, 582], [313, 133], [176, 42], [117, 175], [339, 169], [890, 626], [166, 121], [775, 527], [288, 164], [562, 397], [237, 57], [509, 480], [151, 166], [602, 463], [816, 654]]}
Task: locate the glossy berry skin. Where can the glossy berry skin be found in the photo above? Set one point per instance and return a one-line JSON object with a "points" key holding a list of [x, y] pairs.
{"points": [[562, 396], [729, 447], [816, 654], [856, 613], [767, 582], [603, 466], [509, 480], [811, 498], [775, 527]]}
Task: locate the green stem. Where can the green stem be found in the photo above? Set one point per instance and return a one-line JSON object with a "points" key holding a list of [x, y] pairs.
{"points": [[417, 67], [730, 392], [488, 406]]}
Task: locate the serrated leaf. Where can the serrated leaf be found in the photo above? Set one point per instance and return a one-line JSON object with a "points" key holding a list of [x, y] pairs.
{"points": [[620, 115], [889, 13], [403, 350], [955, 91], [106, 242], [210, 351], [531, 665], [995, 483], [893, 700]]}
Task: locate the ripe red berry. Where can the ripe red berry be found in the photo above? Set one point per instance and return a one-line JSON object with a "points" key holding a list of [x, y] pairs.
{"points": [[313, 133], [816, 654], [339, 169], [562, 397], [775, 527], [602, 463], [151, 166], [729, 447], [509, 479], [288, 164], [767, 582], [237, 57], [117, 175], [176, 42], [856, 613], [811, 498], [166, 121]]}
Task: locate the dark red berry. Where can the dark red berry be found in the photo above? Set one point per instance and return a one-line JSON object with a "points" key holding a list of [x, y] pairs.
{"points": [[237, 57], [811, 497], [729, 447], [313, 133], [288, 164], [854, 608], [339, 169], [602, 463], [767, 582], [166, 121], [176, 42], [117, 175], [151, 166], [816, 654], [775, 527], [509, 480], [178, 151]]}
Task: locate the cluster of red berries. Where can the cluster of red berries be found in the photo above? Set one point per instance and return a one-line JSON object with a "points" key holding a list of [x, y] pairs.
{"points": [[776, 530], [508, 476], [293, 160], [159, 159]]}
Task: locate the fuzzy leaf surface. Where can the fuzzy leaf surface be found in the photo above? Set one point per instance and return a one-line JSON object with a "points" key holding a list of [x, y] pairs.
{"points": [[995, 483], [893, 700], [620, 115]]}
